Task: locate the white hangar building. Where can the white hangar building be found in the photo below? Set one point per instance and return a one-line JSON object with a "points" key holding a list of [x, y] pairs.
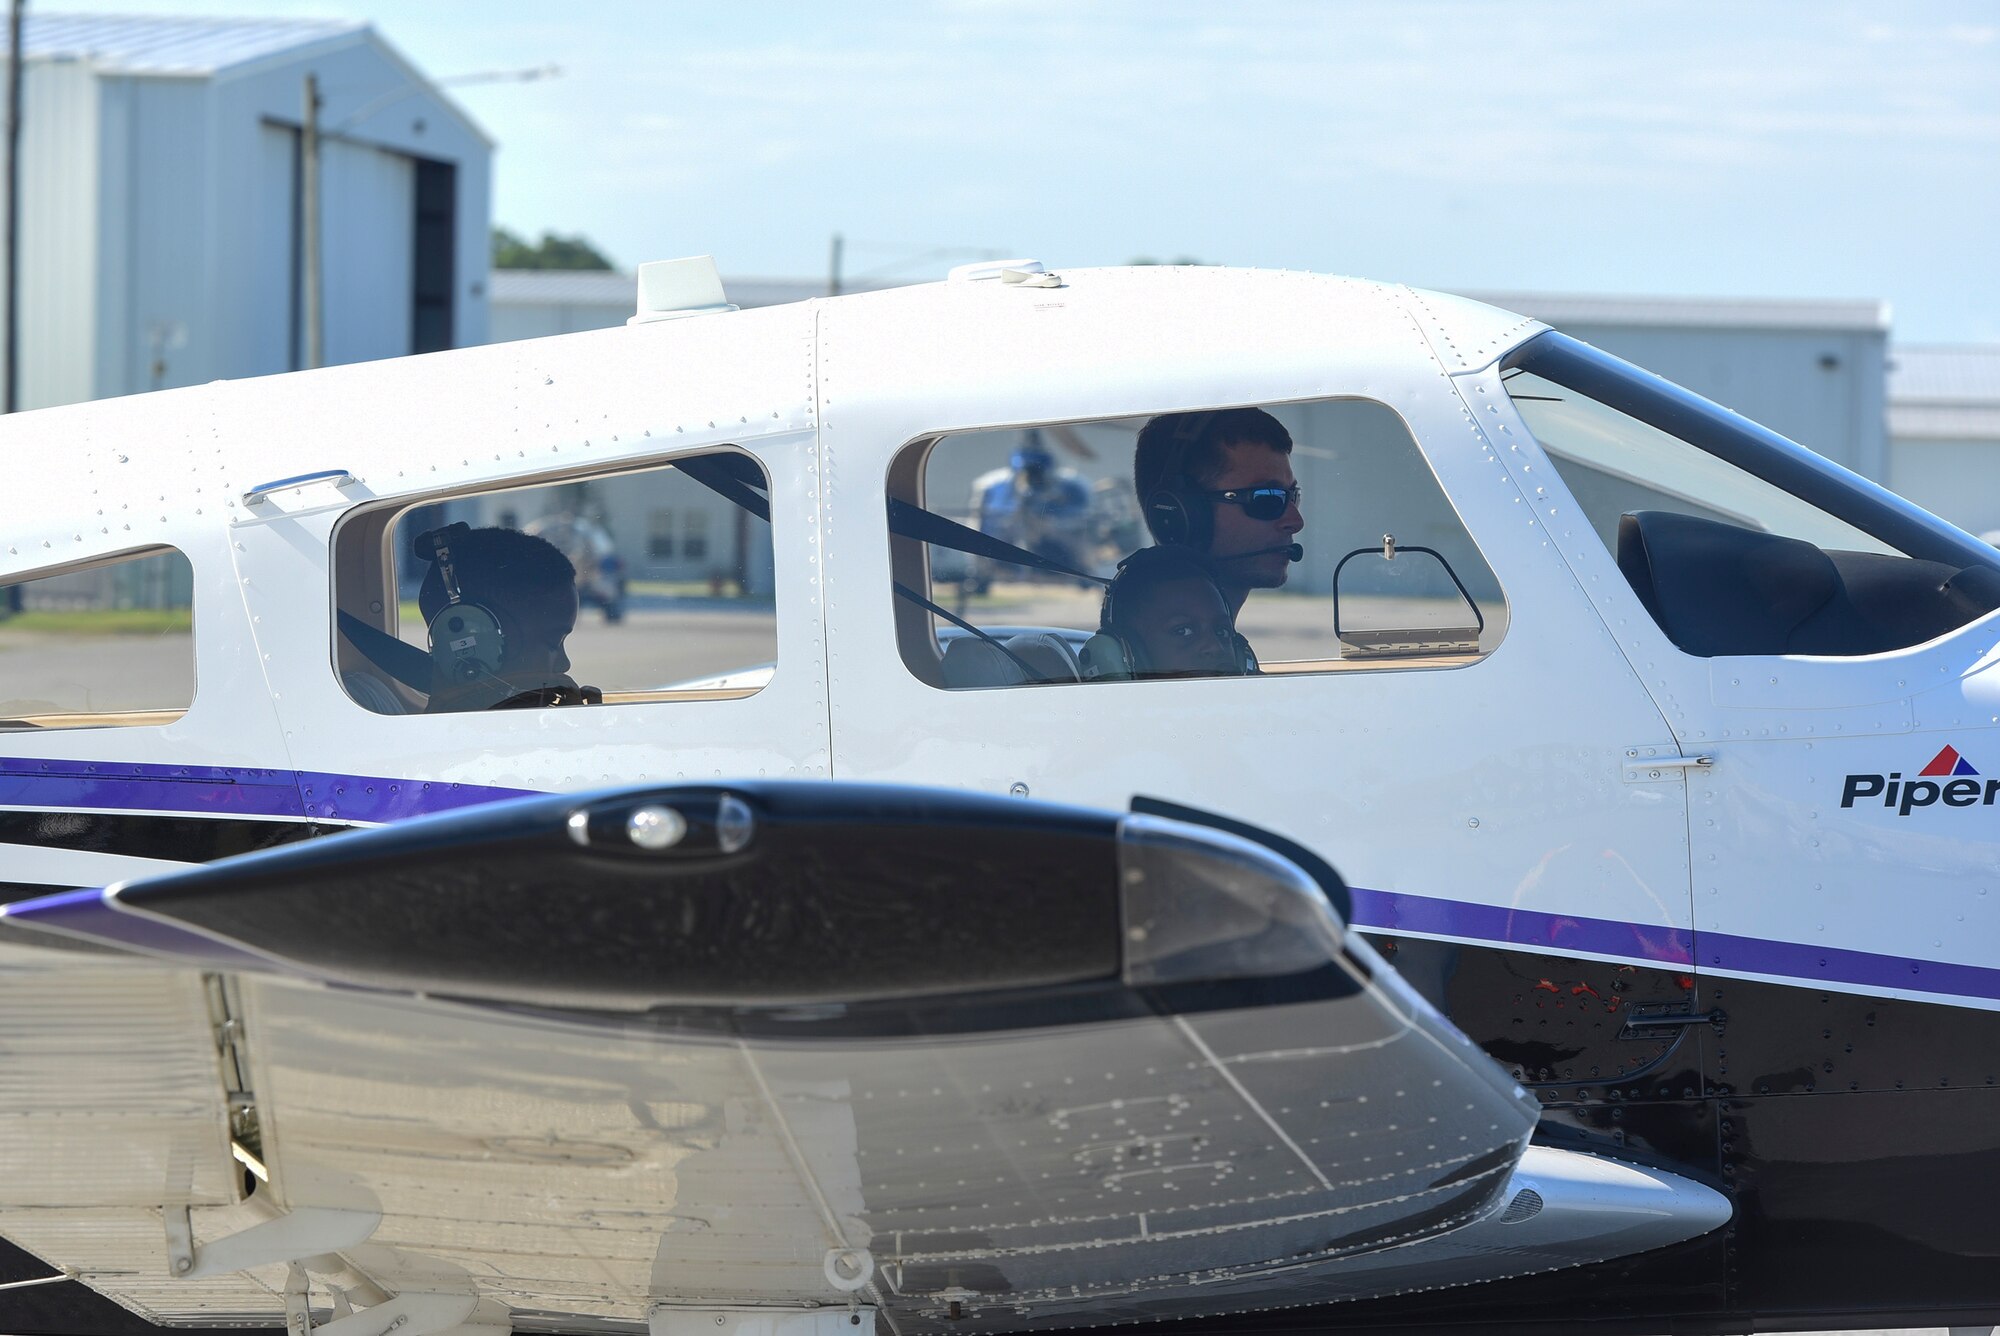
{"points": [[1816, 371], [162, 234], [1944, 423]]}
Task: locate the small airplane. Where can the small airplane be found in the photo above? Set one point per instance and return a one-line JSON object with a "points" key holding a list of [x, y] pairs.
{"points": [[921, 915]]}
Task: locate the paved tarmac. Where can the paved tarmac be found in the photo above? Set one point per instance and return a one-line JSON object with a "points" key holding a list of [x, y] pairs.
{"points": [[664, 643], [45, 673]]}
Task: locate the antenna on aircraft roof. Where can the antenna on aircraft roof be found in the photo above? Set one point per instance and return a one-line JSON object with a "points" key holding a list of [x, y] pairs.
{"points": [[671, 289]]}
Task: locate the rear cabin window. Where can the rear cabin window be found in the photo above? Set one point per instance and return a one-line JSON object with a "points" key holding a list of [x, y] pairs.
{"points": [[648, 585], [1252, 540], [106, 646]]}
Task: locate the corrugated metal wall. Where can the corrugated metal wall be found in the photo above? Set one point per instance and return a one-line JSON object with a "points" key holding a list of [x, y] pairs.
{"points": [[1823, 388], [1956, 480], [58, 236], [160, 227], [158, 236], [368, 199], [164, 580]]}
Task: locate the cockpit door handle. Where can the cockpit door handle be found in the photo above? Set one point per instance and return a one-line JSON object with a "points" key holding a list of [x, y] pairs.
{"points": [[1643, 1023], [1661, 762]]}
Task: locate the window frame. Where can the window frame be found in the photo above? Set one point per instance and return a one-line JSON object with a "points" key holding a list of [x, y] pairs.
{"points": [[910, 558], [365, 561], [158, 718]]}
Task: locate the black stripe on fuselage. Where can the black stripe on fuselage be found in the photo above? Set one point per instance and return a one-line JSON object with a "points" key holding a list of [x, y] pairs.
{"points": [[10, 891], [182, 839]]}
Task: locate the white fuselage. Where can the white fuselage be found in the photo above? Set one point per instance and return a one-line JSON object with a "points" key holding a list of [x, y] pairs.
{"points": [[1585, 789]]}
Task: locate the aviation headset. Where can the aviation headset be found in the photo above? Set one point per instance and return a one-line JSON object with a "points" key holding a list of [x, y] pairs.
{"points": [[1176, 510], [1114, 654], [466, 640]]}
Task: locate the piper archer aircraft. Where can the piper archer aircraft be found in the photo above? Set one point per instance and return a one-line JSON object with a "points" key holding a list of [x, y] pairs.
{"points": [[1653, 750]]}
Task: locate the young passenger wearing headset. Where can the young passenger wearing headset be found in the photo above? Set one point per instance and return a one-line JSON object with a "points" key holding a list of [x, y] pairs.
{"points": [[1164, 615], [498, 604]]}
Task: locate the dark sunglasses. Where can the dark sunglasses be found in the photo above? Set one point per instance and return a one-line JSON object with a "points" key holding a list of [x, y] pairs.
{"points": [[1260, 503]]}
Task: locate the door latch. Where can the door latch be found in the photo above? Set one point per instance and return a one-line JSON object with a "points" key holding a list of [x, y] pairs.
{"points": [[1659, 762], [1661, 1020]]}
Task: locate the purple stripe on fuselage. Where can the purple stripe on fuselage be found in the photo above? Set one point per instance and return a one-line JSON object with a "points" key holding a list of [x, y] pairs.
{"points": [[215, 790], [205, 789], [238, 791], [1391, 911], [1798, 962], [360, 798]]}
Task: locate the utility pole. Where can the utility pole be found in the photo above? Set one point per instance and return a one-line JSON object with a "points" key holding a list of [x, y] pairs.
{"points": [[833, 269], [11, 392], [309, 224]]}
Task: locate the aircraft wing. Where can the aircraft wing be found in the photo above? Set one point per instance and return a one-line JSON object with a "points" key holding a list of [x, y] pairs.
{"points": [[662, 1057]]}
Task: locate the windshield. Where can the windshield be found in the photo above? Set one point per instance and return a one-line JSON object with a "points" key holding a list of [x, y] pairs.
{"points": [[1736, 540], [1597, 415]]}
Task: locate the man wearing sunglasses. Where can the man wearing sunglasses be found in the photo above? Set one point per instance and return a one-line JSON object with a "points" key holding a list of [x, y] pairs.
{"points": [[1220, 483]]}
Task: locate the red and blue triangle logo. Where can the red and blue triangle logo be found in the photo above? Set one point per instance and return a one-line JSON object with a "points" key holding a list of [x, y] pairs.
{"points": [[1948, 762]]}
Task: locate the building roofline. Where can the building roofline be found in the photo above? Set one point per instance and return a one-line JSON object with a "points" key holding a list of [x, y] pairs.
{"points": [[1862, 315], [316, 38], [252, 66], [311, 33], [426, 84]]}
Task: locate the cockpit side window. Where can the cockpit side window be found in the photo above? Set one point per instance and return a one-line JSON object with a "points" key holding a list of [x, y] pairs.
{"points": [[653, 584], [1238, 541], [1736, 540], [106, 645]]}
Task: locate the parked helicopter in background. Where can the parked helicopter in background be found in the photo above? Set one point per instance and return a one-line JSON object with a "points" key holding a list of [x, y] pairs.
{"points": [[1652, 750]]}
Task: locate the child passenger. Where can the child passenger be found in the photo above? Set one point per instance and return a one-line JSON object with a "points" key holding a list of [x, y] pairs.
{"points": [[1164, 615]]}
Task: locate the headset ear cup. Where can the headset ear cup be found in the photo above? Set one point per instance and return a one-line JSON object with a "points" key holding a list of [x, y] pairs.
{"points": [[1179, 521], [1245, 656], [1167, 517], [466, 643], [1106, 657], [1135, 657]]}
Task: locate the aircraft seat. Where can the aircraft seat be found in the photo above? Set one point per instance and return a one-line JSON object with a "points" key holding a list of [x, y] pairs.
{"points": [[1722, 589], [1048, 654], [971, 662], [372, 691]]}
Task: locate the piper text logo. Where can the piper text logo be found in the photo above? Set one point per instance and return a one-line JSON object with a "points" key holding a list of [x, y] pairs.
{"points": [[1948, 779]]}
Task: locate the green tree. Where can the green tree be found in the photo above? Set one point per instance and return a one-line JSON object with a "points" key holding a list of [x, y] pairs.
{"points": [[553, 251]]}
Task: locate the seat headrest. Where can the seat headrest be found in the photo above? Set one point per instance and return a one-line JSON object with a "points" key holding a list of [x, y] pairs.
{"points": [[971, 662], [1719, 588], [1048, 654]]}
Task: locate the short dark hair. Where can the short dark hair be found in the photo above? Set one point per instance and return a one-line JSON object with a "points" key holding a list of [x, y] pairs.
{"points": [[1145, 570], [1188, 447], [497, 565]]}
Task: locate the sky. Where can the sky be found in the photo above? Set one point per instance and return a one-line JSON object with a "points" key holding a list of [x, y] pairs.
{"points": [[1779, 149]]}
